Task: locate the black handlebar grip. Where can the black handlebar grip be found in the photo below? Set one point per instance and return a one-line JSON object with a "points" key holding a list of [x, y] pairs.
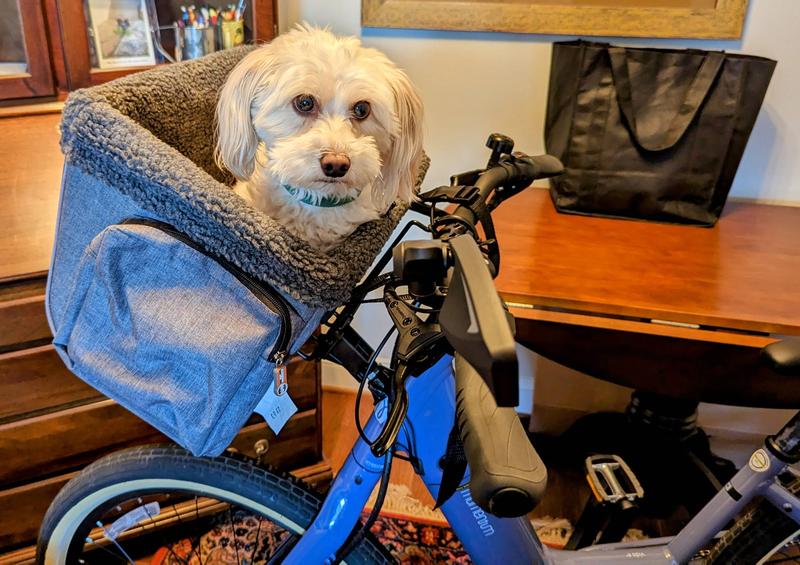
{"points": [[546, 166], [507, 477]]}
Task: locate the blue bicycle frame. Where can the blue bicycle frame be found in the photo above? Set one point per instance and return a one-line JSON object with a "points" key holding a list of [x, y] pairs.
{"points": [[487, 538]]}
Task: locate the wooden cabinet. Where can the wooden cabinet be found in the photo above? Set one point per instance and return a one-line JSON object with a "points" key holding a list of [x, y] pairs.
{"points": [[45, 46], [51, 423], [25, 64]]}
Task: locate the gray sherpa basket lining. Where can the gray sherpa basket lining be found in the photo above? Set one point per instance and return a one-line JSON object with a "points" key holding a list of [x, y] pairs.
{"points": [[150, 136]]}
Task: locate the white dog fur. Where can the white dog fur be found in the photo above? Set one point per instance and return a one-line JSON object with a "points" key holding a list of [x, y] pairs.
{"points": [[268, 143]]}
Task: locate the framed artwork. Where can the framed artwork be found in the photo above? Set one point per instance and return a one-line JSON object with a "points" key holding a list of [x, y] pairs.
{"points": [[119, 33], [712, 19]]}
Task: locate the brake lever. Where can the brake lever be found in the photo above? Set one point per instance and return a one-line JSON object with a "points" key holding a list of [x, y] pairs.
{"points": [[419, 345], [396, 413]]}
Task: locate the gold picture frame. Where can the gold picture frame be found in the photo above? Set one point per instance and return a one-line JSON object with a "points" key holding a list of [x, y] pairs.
{"points": [[702, 19]]}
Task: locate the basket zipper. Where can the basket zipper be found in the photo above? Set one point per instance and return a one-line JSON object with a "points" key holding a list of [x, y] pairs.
{"points": [[264, 293]]}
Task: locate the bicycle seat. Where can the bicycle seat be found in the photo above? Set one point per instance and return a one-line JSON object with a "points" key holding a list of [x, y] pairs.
{"points": [[783, 357]]}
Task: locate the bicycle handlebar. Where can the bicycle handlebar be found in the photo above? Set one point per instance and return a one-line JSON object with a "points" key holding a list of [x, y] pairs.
{"points": [[507, 477], [472, 317], [520, 172]]}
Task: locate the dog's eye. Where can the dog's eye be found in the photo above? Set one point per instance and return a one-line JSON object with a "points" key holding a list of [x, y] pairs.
{"points": [[304, 103], [361, 110]]}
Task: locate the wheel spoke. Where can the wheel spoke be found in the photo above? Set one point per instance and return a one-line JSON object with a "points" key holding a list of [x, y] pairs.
{"points": [[126, 559], [255, 545], [199, 536], [233, 531], [163, 537], [196, 542]]}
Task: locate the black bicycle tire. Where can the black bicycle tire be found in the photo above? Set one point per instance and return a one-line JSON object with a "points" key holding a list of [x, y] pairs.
{"points": [[756, 534], [234, 473]]}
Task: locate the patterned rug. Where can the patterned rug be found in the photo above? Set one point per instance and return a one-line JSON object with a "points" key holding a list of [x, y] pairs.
{"points": [[418, 542], [414, 533]]}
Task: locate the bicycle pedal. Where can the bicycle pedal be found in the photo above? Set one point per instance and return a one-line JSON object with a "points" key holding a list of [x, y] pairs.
{"points": [[611, 480]]}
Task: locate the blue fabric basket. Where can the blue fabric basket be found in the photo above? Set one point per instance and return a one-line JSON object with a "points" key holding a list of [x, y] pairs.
{"points": [[167, 292]]}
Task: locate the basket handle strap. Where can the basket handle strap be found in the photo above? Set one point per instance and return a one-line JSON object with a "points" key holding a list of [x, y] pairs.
{"points": [[695, 94]]}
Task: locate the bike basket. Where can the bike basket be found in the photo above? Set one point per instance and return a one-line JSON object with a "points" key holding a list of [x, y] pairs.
{"points": [[167, 292]]}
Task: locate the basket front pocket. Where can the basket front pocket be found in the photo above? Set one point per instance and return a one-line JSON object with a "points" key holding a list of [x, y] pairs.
{"points": [[178, 337]]}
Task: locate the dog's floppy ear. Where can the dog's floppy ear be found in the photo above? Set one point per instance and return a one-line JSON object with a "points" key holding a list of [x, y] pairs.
{"points": [[237, 141], [402, 164]]}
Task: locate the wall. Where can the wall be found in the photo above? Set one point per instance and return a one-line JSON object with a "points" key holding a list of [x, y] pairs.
{"points": [[475, 83]]}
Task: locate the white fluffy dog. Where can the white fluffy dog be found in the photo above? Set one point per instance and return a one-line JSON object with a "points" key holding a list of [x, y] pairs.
{"points": [[322, 133]]}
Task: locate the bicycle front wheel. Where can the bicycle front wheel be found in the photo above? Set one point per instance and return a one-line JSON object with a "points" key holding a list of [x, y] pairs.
{"points": [[161, 504]]}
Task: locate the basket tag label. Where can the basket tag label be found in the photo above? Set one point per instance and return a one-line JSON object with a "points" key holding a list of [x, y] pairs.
{"points": [[276, 409]]}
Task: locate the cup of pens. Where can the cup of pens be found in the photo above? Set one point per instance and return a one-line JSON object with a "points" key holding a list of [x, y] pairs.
{"points": [[232, 33], [200, 31], [196, 42], [232, 25]]}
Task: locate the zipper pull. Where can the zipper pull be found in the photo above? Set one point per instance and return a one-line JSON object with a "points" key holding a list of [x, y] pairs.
{"points": [[279, 383]]}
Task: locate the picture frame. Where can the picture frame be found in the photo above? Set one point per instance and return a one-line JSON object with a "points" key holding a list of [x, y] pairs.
{"points": [[701, 19], [120, 33]]}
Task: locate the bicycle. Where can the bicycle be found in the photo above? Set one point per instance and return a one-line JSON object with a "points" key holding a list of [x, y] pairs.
{"points": [[451, 382]]}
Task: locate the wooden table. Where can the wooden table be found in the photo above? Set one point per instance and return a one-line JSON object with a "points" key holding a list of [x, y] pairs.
{"points": [[676, 310], [678, 313]]}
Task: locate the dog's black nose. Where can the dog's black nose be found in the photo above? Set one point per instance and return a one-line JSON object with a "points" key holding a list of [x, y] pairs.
{"points": [[334, 164]]}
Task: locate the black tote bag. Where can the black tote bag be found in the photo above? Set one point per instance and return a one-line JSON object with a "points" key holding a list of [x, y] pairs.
{"points": [[651, 134]]}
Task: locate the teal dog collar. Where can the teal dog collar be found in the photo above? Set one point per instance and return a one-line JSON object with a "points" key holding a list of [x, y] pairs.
{"points": [[324, 202]]}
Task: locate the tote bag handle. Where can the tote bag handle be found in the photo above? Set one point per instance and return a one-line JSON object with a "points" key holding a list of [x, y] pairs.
{"points": [[695, 94]]}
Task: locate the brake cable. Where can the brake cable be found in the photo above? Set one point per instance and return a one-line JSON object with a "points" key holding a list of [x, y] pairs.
{"points": [[360, 392]]}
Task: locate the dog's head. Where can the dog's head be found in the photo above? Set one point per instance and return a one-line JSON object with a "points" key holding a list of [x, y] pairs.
{"points": [[321, 113]]}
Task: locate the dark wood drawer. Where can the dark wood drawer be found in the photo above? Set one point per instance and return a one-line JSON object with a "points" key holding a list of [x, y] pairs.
{"points": [[22, 508], [298, 443], [23, 322], [35, 380], [67, 439]]}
